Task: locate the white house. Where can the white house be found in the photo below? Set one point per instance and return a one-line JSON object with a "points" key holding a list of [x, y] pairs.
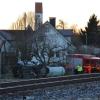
{"points": [[54, 37]]}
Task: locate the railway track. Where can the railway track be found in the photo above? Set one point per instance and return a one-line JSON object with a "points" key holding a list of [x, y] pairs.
{"points": [[31, 84]]}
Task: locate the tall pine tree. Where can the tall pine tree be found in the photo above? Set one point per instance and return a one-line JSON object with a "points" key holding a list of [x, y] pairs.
{"points": [[90, 34]]}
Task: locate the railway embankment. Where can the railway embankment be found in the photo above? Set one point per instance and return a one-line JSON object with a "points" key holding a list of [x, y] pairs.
{"points": [[84, 90]]}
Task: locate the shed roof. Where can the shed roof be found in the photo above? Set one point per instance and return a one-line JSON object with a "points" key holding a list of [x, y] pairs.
{"points": [[66, 32]]}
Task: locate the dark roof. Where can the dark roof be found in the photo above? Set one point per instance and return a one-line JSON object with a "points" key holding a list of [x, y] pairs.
{"points": [[54, 36], [19, 35], [66, 32], [10, 34], [5, 35]]}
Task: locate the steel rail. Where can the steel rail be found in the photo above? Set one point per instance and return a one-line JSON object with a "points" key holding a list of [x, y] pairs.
{"points": [[49, 79], [49, 82]]}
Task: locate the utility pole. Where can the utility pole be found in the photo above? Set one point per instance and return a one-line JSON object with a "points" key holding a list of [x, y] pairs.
{"points": [[86, 38], [86, 41]]}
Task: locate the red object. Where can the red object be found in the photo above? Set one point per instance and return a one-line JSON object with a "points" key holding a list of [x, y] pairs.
{"points": [[85, 69], [86, 59], [88, 69]]}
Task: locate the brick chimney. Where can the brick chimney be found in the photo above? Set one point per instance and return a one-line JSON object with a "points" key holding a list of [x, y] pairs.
{"points": [[52, 21], [38, 15]]}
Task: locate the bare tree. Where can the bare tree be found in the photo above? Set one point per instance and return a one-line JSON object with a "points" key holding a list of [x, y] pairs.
{"points": [[61, 24], [75, 28], [44, 51], [23, 21]]}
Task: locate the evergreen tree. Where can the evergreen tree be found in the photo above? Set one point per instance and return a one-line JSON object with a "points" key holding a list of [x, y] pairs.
{"points": [[90, 34]]}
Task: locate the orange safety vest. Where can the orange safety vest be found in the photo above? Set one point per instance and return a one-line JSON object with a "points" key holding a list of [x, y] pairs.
{"points": [[86, 69], [89, 68]]}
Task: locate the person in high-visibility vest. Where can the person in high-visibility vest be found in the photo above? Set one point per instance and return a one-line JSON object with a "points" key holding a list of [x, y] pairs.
{"points": [[85, 69], [79, 69], [88, 68]]}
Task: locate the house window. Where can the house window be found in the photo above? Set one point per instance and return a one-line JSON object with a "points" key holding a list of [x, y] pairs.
{"points": [[57, 54], [51, 53]]}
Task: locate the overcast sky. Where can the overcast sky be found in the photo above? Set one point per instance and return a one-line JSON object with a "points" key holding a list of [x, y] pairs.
{"points": [[71, 11]]}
